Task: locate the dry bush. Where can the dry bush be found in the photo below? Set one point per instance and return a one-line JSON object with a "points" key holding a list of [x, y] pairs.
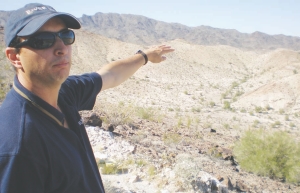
{"points": [[186, 170]]}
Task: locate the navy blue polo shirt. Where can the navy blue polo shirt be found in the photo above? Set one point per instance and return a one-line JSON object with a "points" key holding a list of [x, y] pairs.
{"points": [[39, 155]]}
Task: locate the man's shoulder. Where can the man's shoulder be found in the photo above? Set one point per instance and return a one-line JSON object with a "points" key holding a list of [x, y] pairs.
{"points": [[15, 115], [18, 126]]}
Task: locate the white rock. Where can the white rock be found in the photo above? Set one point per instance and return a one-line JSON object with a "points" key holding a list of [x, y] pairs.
{"points": [[100, 155]]}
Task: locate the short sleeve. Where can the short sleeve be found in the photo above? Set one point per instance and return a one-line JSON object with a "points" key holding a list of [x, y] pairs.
{"points": [[81, 91]]}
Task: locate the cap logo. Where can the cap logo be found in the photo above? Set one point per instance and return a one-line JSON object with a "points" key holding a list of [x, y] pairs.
{"points": [[30, 11]]}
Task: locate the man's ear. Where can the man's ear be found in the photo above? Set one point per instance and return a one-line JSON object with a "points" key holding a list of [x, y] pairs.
{"points": [[14, 57]]}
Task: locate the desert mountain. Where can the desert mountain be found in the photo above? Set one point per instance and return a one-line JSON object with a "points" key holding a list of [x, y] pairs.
{"points": [[142, 30], [145, 31]]}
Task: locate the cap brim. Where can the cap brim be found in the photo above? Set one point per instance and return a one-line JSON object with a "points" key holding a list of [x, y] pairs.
{"points": [[35, 24]]}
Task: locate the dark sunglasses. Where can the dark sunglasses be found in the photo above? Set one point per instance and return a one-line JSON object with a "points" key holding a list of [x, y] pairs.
{"points": [[44, 40]]}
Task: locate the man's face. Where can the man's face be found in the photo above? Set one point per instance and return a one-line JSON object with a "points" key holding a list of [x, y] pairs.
{"points": [[48, 67]]}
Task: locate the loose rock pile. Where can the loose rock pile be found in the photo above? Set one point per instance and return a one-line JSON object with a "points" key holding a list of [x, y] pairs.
{"points": [[107, 149]]}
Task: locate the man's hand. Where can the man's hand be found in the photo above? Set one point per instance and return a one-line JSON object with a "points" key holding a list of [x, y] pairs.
{"points": [[156, 54]]}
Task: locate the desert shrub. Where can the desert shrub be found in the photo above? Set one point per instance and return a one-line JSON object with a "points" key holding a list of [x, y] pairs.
{"points": [[258, 109], [196, 109], [149, 113], [179, 122], [151, 171], [6, 74], [145, 113], [286, 118], [295, 71], [239, 93], [281, 111], [214, 152], [276, 124], [212, 104], [292, 124], [226, 126], [227, 105], [268, 107], [2, 90], [234, 84], [276, 154], [188, 122], [243, 110]]}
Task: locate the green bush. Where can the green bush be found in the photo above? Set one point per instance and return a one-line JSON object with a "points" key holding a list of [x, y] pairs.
{"points": [[276, 154]]}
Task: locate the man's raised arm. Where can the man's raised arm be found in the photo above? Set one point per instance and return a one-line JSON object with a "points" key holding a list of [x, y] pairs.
{"points": [[118, 71]]}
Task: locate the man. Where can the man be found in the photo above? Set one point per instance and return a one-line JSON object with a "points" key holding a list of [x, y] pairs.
{"points": [[43, 143]]}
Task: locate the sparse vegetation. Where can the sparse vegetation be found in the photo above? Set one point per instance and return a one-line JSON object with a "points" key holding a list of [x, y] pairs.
{"points": [[188, 122], [124, 114], [212, 103], [255, 123], [258, 109], [196, 109], [3, 89], [186, 170], [292, 124], [243, 110], [179, 122], [276, 124], [234, 84], [171, 138], [227, 105], [145, 113], [267, 107], [151, 170], [286, 118], [226, 126], [295, 71], [281, 111]]}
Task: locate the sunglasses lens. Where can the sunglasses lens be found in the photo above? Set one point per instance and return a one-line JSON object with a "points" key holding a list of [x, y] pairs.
{"points": [[68, 37], [42, 40]]}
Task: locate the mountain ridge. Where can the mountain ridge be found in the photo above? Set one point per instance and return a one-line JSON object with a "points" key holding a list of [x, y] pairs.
{"points": [[142, 30]]}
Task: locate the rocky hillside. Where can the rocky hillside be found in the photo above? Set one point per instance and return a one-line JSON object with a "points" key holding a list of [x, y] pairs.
{"points": [[185, 97]]}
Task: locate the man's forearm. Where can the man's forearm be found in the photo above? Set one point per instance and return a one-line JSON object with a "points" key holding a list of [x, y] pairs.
{"points": [[118, 71]]}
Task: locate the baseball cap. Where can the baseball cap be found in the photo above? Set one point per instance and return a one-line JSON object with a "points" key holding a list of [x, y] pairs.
{"points": [[30, 18]]}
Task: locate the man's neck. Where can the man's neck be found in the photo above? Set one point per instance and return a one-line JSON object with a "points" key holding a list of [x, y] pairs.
{"points": [[45, 92]]}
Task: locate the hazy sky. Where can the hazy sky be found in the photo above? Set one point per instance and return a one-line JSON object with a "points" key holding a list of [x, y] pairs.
{"points": [[247, 16]]}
